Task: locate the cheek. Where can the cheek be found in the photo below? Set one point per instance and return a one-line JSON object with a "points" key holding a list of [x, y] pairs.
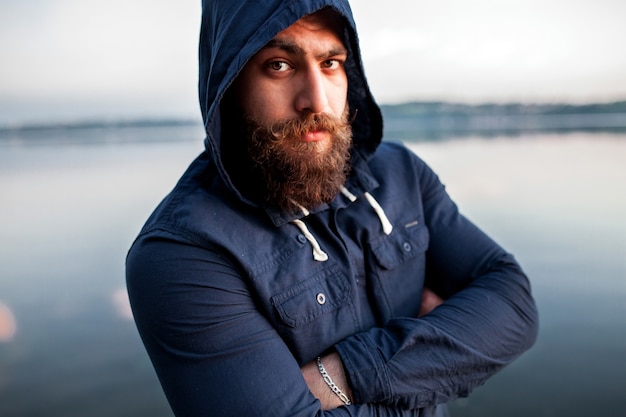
{"points": [[264, 103], [250, 94], [339, 99], [249, 103], [267, 107]]}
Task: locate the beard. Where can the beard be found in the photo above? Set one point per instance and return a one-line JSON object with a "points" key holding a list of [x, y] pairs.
{"points": [[292, 173]]}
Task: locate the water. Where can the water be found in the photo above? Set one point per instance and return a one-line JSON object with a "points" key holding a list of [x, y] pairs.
{"points": [[71, 208], [558, 203]]}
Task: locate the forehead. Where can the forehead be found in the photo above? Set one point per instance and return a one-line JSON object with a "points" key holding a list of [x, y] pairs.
{"points": [[322, 22]]}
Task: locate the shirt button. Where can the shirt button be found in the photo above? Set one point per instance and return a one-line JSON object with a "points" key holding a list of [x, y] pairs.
{"points": [[406, 246], [321, 298], [301, 239]]}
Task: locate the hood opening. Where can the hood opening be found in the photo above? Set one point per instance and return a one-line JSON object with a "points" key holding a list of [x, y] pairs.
{"points": [[227, 43]]}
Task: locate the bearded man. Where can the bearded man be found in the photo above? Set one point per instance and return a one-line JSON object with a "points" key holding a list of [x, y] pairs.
{"points": [[301, 266]]}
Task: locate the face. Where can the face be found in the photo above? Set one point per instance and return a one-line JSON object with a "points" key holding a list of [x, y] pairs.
{"points": [[293, 95], [298, 74]]}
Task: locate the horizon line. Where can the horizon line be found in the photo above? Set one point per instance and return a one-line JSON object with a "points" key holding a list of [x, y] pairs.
{"points": [[96, 122]]}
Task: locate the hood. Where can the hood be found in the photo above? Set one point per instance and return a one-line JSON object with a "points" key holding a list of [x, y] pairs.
{"points": [[234, 30]]}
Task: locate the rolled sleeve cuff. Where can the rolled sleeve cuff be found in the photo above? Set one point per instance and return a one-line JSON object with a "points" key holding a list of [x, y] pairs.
{"points": [[365, 369]]}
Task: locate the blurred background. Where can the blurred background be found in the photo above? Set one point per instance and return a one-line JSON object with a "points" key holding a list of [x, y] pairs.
{"points": [[520, 106], [77, 59]]}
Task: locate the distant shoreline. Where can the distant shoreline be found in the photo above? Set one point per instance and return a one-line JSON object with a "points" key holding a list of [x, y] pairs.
{"points": [[94, 123], [413, 110], [411, 121], [418, 121], [437, 108]]}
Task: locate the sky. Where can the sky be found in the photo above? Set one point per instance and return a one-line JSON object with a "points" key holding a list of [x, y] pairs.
{"points": [[78, 59]]}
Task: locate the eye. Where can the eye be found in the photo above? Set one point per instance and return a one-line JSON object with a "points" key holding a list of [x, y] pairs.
{"points": [[331, 64], [279, 66]]}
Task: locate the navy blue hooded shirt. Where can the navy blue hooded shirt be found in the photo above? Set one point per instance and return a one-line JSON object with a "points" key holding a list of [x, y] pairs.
{"points": [[231, 297]]}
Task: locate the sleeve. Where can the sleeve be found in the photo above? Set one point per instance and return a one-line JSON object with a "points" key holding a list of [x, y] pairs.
{"points": [[488, 319], [213, 351]]}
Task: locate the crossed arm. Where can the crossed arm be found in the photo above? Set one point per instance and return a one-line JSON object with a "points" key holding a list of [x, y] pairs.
{"points": [[334, 366], [204, 341], [204, 338]]}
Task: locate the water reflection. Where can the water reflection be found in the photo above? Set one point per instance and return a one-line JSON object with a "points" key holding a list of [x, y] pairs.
{"points": [[121, 304], [7, 324], [555, 201]]}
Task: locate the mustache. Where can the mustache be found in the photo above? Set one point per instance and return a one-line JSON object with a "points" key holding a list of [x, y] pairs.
{"points": [[298, 127]]}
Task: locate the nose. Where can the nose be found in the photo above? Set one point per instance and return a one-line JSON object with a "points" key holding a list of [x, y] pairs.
{"points": [[312, 96]]}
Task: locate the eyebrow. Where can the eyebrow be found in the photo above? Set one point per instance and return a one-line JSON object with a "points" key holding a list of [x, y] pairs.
{"points": [[293, 48]]}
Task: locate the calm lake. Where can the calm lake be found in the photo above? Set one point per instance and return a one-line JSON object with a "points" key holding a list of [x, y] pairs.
{"points": [[72, 202]]}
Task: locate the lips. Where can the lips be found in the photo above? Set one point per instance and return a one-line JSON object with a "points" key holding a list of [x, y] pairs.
{"points": [[315, 136]]}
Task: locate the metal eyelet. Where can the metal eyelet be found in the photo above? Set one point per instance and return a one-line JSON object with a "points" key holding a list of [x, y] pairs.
{"points": [[321, 298]]}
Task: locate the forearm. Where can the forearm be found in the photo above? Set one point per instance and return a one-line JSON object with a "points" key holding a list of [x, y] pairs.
{"points": [[418, 362], [331, 404], [334, 366], [213, 352], [320, 388]]}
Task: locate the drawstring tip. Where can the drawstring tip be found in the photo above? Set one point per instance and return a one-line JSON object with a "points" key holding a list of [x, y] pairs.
{"points": [[384, 221], [320, 256]]}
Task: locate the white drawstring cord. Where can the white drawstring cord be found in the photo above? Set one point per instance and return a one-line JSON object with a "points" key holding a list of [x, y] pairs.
{"points": [[318, 253], [384, 221], [348, 194]]}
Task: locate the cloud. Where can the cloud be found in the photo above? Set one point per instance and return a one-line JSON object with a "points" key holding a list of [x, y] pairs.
{"points": [[140, 56], [75, 51], [481, 50]]}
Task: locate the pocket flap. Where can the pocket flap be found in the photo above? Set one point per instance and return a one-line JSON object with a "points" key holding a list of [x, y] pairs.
{"points": [[401, 245], [307, 300]]}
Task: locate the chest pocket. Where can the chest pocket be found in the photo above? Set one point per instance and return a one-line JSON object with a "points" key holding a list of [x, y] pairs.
{"points": [[400, 264], [315, 313], [309, 299], [401, 246]]}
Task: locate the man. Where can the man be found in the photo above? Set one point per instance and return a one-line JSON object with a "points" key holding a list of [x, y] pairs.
{"points": [[300, 265]]}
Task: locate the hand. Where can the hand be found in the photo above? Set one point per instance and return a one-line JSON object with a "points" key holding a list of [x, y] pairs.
{"points": [[430, 300], [334, 366], [317, 386]]}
